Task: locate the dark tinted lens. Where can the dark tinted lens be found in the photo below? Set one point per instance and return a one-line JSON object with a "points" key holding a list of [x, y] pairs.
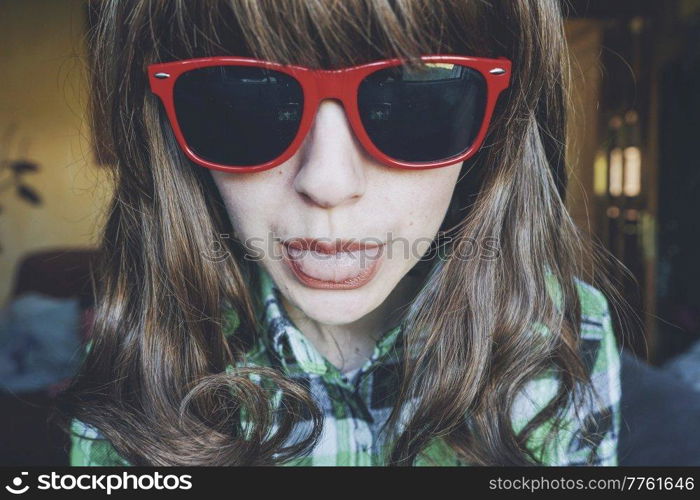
{"points": [[423, 114], [238, 115]]}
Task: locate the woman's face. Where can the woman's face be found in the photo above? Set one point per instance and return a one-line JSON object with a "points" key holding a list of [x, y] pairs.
{"points": [[334, 228]]}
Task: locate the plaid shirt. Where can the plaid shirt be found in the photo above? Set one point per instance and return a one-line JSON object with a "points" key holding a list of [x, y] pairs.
{"points": [[355, 408]]}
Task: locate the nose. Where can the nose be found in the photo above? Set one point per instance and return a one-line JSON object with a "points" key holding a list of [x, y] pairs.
{"points": [[331, 169]]}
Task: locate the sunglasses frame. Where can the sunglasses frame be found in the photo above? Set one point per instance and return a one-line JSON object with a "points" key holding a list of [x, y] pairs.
{"points": [[341, 84]]}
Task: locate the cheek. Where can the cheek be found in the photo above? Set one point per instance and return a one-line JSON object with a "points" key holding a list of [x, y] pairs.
{"points": [[250, 199], [424, 199]]}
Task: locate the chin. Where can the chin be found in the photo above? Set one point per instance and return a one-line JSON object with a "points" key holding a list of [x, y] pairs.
{"points": [[335, 307]]}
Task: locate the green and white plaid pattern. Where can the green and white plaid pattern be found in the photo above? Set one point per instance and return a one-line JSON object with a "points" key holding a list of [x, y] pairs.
{"points": [[356, 408]]}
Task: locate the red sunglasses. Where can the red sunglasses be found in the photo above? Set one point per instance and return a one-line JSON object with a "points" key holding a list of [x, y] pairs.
{"points": [[245, 115]]}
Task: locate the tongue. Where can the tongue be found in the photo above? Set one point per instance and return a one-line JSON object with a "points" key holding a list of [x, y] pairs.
{"points": [[336, 267]]}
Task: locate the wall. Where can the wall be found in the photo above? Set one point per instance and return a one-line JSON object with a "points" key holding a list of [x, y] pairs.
{"points": [[42, 92], [585, 44]]}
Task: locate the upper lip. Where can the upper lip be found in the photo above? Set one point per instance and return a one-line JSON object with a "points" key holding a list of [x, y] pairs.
{"points": [[330, 246]]}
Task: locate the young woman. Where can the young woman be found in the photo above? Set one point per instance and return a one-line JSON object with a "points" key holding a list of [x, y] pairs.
{"points": [[338, 237]]}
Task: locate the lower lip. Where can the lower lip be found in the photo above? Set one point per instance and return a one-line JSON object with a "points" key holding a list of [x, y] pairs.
{"points": [[363, 276]]}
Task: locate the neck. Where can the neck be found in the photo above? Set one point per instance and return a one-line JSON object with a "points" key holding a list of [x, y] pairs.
{"points": [[350, 345]]}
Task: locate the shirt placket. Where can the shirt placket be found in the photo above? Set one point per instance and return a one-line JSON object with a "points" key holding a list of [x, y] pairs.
{"points": [[350, 418]]}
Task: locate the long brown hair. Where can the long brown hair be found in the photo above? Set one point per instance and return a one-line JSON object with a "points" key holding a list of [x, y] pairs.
{"points": [[154, 382]]}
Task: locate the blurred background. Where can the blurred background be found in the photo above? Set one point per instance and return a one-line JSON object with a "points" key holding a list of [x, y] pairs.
{"points": [[634, 186]]}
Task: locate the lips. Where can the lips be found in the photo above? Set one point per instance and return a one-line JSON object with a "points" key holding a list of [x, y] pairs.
{"points": [[339, 265]]}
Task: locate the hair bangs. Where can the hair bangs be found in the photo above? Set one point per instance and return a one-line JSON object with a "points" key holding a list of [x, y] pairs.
{"points": [[321, 34]]}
